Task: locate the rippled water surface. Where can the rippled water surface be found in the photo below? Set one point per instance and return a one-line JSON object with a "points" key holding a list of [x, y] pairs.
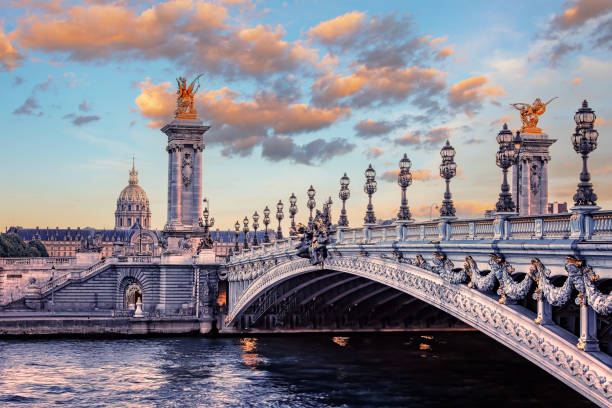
{"points": [[373, 370]]}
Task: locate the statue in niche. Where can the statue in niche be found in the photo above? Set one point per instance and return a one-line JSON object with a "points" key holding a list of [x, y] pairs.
{"points": [[185, 98], [534, 178], [530, 114], [187, 169]]}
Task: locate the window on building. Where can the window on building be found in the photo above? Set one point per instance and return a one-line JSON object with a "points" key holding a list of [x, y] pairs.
{"points": [[129, 223]]}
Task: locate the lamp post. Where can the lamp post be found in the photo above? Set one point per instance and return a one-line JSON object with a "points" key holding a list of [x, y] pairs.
{"points": [[506, 156], [255, 226], [292, 211], [584, 140], [311, 203], [344, 195], [370, 188], [237, 233], [266, 221], [245, 222], [448, 170], [279, 217], [404, 179], [53, 289]]}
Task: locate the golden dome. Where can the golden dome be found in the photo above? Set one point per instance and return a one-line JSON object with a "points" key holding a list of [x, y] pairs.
{"points": [[133, 193], [132, 205]]}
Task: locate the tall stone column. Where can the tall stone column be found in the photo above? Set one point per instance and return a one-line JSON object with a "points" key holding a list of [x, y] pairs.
{"points": [[185, 145], [530, 174]]}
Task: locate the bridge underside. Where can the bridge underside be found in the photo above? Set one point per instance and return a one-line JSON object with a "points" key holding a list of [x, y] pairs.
{"points": [[327, 300]]}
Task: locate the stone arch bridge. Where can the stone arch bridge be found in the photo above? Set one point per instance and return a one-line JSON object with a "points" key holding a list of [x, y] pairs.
{"points": [[538, 285]]}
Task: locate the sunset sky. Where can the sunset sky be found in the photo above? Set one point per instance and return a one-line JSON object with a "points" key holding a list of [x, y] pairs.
{"points": [[296, 93]]}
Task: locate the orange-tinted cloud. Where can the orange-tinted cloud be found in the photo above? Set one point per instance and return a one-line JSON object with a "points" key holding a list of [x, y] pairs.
{"points": [[238, 124], [602, 122], [334, 30], [469, 93], [367, 86], [500, 121], [191, 32], [446, 52], [579, 11], [602, 171], [423, 175], [10, 58], [420, 175], [576, 81], [374, 152], [407, 139]]}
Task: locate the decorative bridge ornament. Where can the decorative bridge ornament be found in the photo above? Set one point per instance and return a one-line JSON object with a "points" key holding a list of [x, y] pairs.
{"points": [[420, 263]]}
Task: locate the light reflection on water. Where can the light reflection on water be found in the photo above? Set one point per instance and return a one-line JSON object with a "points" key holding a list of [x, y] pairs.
{"points": [[373, 370]]}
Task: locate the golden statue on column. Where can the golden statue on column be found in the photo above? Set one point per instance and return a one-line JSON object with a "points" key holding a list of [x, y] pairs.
{"points": [[185, 98], [530, 114]]}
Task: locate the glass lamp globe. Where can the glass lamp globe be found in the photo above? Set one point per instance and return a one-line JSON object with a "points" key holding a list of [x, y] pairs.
{"points": [[370, 173], [405, 163]]}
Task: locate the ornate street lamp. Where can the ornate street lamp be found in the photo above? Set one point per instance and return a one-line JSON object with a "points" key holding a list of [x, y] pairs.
{"points": [[404, 179], [448, 170], [344, 195], [237, 233], [279, 217], [310, 203], [266, 221], [370, 188], [245, 222], [507, 155], [206, 242], [584, 140], [292, 211], [255, 226]]}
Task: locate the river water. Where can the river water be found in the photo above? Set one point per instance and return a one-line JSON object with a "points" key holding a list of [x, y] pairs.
{"points": [[464, 369]]}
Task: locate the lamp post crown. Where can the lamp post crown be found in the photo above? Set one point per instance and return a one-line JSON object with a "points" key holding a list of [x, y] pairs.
{"points": [[370, 173], [405, 162]]}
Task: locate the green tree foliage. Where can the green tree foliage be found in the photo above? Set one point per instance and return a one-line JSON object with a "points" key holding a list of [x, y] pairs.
{"points": [[11, 246]]}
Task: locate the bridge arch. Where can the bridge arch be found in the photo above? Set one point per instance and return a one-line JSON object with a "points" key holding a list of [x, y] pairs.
{"points": [[549, 347]]}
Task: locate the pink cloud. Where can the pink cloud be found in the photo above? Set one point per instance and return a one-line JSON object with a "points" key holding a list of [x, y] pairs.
{"points": [[10, 58], [367, 86], [334, 30], [469, 93], [193, 33], [238, 124], [374, 152]]}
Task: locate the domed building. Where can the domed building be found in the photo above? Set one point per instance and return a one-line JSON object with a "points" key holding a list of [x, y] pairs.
{"points": [[133, 205]]}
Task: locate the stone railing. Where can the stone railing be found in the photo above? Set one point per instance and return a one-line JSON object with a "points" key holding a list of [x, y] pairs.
{"points": [[38, 261], [594, 227]]}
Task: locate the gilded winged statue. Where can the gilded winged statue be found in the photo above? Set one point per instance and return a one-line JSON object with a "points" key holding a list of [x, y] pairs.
{"points": [[530, 114], [185, 98]]}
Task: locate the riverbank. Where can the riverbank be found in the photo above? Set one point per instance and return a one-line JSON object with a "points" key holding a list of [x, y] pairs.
{"points": [[67, 326], [21, 325]]}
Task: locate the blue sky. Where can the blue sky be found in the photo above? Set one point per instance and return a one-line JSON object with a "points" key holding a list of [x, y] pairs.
{"points": [[297, 93]]}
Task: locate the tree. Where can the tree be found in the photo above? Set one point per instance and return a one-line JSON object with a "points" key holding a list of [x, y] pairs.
{"points": [[11, 246]]}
